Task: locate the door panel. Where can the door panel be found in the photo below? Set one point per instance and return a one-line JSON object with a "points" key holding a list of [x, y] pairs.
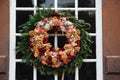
{"points": [[111, 39], [4, 39]]}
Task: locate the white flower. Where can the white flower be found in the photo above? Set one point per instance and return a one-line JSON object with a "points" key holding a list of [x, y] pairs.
{"points": [[47, 26], [69, 23], [41, 23]]}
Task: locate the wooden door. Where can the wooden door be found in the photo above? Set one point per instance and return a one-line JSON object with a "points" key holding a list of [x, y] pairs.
{"points": [[111, 39], [4, 39]]}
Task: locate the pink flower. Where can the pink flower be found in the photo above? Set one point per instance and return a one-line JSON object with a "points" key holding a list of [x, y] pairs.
{"points": [[61, 52], [38, 28], [71, 27], [73, 44], [69, 30], [42, 31], [50, 22], [45, 20], [72, 54], [60, 23]]}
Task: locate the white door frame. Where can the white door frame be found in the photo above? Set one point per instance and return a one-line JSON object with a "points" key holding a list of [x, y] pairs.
{"points": [[98, 34]]}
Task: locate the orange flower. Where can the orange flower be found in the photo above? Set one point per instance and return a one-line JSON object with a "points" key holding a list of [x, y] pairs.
{"points": [[36, 53], [42, 31], [50, 53], [69, 30], [44, 62], [65, 61]]}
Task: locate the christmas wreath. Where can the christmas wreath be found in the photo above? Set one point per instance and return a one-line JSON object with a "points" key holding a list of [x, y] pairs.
{"points": [[38, 51]]}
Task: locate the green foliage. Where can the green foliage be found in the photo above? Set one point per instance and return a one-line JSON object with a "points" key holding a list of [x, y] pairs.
{"points": [[28, 57]]}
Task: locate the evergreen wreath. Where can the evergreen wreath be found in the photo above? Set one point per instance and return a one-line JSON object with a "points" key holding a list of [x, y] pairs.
{"points": [[37, 50]]}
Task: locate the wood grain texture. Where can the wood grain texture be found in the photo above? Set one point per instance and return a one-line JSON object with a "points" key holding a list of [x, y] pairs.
{"points": [[112, 64], [4, 39], [111, 37], [111, 26], [3, 64]]}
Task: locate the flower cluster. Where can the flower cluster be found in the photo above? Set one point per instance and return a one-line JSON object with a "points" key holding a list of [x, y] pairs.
{"points": [[44, 51]]}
